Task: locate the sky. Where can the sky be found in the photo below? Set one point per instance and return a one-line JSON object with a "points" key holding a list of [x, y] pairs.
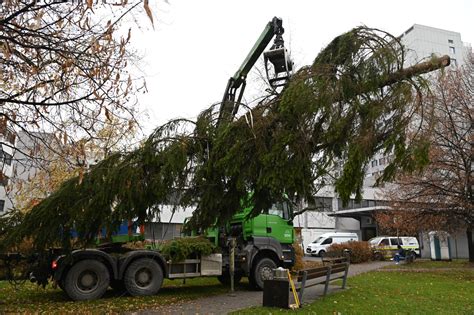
{"points": [[196, 46]]}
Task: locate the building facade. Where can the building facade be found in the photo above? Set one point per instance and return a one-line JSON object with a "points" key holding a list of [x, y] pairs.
{"points": [[421, 42], [424, 41], [7, 145]]}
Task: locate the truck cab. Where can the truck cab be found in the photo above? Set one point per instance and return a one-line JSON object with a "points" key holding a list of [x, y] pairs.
{"points": [[263, 242]]}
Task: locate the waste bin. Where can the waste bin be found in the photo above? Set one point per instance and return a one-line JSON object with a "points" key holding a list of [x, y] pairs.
{"points": [[440, 245], [276, 292]]}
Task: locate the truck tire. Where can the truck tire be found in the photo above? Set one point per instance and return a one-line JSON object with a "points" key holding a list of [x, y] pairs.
{"points": [[262, 270], [86, 280], [225, 278], [143, 277], [378, 256]]}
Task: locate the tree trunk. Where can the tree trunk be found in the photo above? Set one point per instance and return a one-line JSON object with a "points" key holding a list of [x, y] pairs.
{"points": [[470, 244]]}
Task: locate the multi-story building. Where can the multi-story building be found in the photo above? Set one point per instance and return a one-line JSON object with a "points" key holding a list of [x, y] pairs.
{"points": [[424, 41], [7, 145], [421, 43]]}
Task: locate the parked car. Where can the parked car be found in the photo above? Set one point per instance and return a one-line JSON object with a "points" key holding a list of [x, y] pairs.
{"points": [[386, 246], [320, 245]]}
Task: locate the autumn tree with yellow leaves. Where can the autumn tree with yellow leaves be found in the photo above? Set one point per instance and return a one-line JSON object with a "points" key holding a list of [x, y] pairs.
{"points": [[65, 70], [66, 85]]}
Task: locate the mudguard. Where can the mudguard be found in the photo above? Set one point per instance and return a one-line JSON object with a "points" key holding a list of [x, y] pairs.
{"points": [[65, 261]]}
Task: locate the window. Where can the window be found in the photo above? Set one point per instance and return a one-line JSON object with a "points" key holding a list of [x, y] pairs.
{"points": [[3, 179], [450, 41], [327, 241], [2, 205], [276, 209], [384, 242], [357, 204], [452, 50], [5, 157], [374, 241], [382, 161], [374, 163], [394, 241], [281, 209], [454, 62], [318, 240], [323, 203]]}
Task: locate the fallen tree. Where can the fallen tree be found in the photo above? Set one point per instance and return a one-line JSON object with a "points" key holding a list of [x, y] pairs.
{"points": [[356, 99]]}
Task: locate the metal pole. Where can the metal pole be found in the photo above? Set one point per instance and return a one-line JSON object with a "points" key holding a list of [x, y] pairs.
{"points": [[232, 263]]}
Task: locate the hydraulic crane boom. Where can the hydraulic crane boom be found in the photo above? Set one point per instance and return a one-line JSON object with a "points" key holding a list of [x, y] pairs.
{"points": [[277, 56]]}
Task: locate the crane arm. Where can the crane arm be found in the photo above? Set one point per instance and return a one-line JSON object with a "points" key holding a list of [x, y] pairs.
{"points": [[236, 84]]}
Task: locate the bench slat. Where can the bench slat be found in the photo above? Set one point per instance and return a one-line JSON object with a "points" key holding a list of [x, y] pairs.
{"points": [[312, 270], [338, 269], [314, 275]]}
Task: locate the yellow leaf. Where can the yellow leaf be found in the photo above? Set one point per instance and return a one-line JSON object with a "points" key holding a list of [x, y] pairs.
{"points": [[129, 34], [148, 11], [107, 114], [89, 4], [81, 176]]}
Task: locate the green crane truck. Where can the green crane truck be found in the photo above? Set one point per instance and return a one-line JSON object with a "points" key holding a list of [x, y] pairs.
{"points": [[261, 243]]}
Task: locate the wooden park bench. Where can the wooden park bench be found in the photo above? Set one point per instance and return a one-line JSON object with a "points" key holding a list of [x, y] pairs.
{"points": [[336, 257], [321, 275]]}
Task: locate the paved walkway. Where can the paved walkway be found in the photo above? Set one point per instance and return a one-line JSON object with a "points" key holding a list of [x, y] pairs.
{"points": [[225, 303], [421, 269]]}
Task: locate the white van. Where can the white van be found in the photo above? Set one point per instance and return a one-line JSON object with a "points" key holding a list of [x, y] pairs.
{"points": [[387, 246], [320, 245]]}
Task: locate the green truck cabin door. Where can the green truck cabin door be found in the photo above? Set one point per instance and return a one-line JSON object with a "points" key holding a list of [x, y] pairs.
{"points": [[278, 226]]}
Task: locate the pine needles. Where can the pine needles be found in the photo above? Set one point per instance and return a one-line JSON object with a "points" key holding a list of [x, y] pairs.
{"points": [[353, 101]]}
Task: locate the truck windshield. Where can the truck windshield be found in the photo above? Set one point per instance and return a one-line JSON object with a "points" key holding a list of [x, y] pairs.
{"points": [[281, 209], [374, 241]]}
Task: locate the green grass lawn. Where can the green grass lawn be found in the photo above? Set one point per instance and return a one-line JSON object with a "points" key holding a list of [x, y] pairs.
{"points": [[392, 292], [29, 298], [429, 264]]}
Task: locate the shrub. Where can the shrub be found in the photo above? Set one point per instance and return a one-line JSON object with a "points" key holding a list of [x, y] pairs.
{"points": [[360, 251], [181, 248]]}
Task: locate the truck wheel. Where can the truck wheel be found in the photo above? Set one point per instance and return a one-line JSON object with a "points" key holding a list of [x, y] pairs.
{"points": [[225, 278], [86, 280], [263, 270], [378, 256], [143, 277]]}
